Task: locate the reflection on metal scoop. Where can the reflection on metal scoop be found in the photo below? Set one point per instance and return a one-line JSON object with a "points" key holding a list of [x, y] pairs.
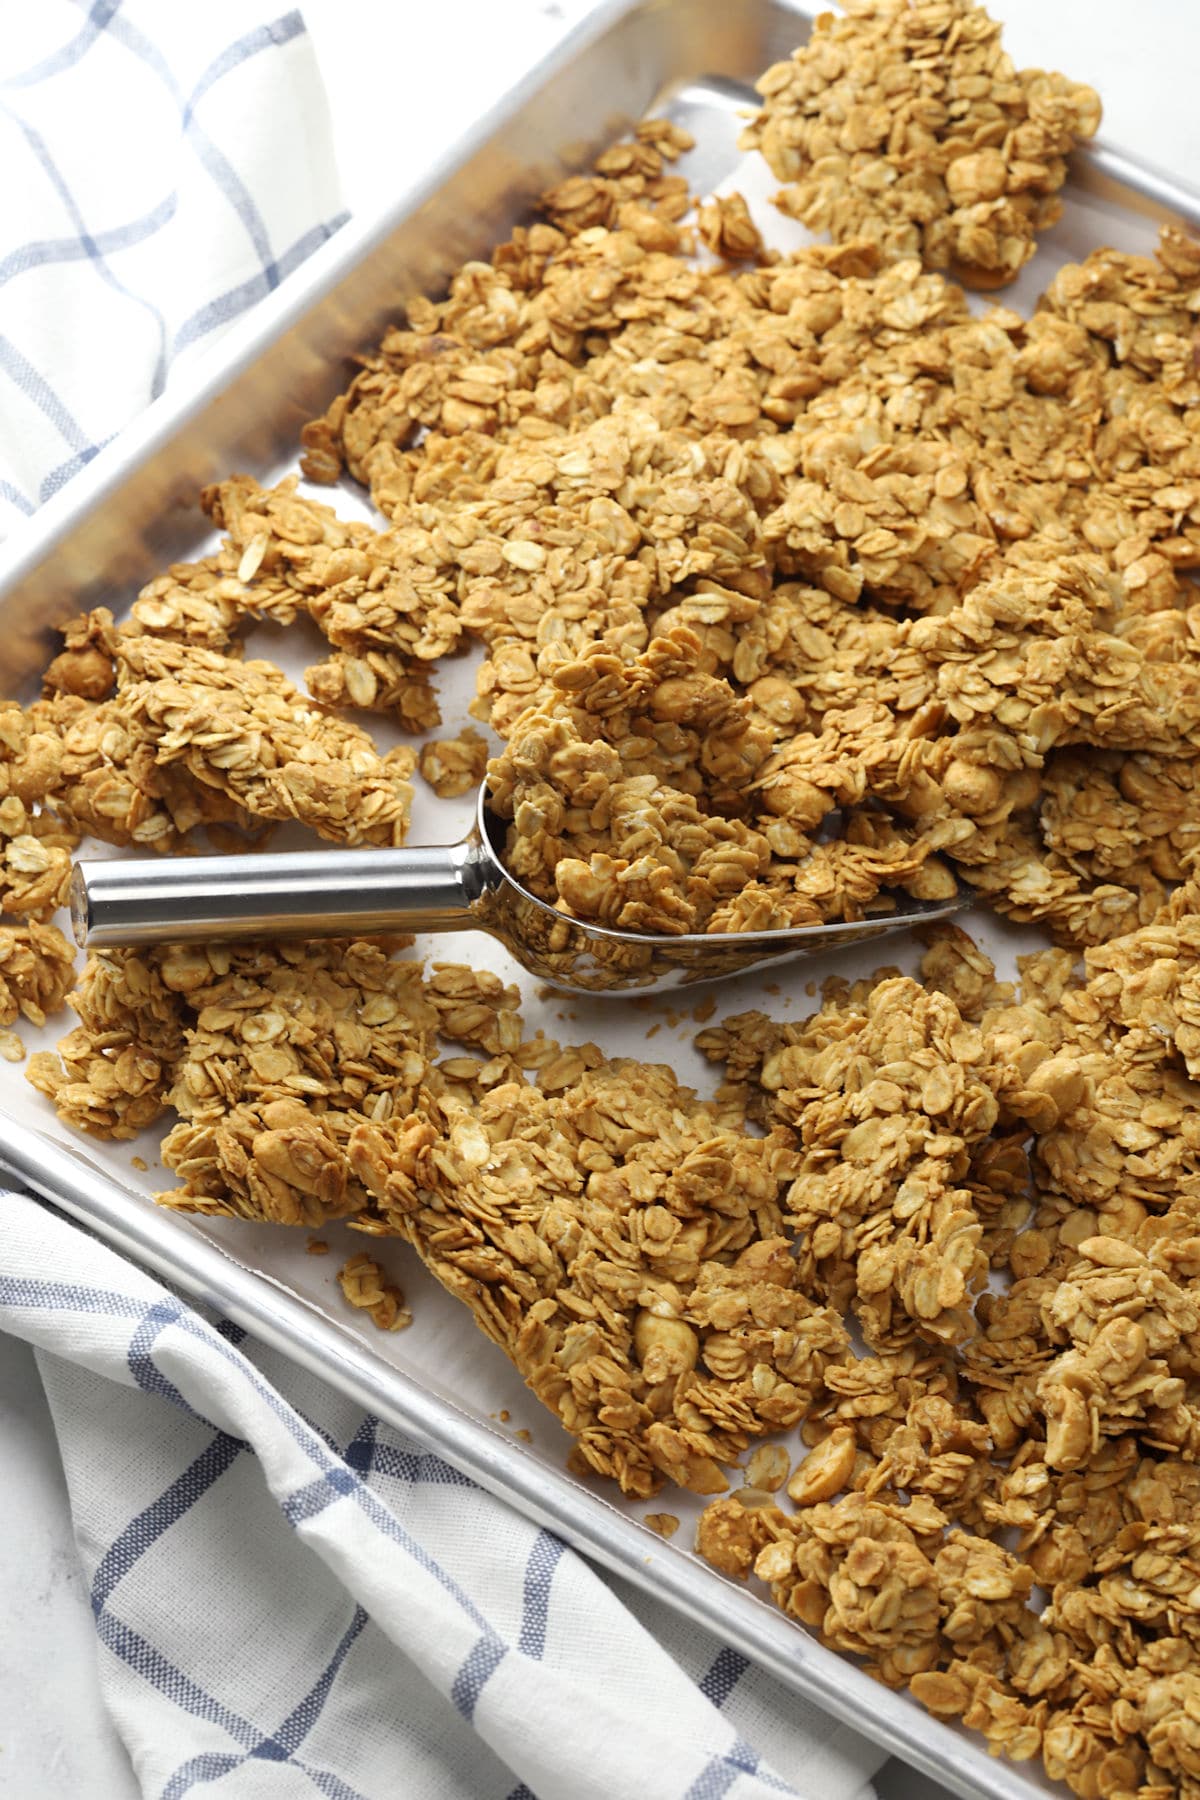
{"points": [[457, 887]]}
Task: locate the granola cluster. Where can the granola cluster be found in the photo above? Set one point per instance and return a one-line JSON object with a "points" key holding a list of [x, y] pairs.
{"points": [[639, 795], [37, 971], [365, 1285], [143, 737], [626, 1252], [904, 122]]}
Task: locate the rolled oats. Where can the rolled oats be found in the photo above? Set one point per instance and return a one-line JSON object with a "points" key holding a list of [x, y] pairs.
{"points": [[454, 766], [625, 1253], [797, 584], [908, 124], [365, 1284]]}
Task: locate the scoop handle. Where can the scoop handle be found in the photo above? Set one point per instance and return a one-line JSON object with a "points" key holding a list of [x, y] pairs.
{"points": [[305, 894]]}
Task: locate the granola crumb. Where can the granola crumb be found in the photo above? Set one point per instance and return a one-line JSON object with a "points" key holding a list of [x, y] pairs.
{"points": [[726, 227], [317, 1247], [365, 1285], [454, 766], [767, 1469], [664, 1523]]}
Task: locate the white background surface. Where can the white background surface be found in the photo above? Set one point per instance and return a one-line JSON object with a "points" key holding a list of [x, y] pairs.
{"points": [[404, 79]]}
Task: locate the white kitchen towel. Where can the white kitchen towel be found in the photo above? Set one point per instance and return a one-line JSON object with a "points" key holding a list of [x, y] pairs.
{"points": [[165, 166], [290, 1598]]}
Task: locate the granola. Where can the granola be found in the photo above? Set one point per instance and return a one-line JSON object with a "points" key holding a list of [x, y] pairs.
{"points": [[365, 1284], [287, 1050], [796, 584], [37, 971], [627, 1255], [907, 124], [642, 795], [454, 766], [110, 1075], [1054, 1438], [242, 730], [725, 226], [1045, 555]]}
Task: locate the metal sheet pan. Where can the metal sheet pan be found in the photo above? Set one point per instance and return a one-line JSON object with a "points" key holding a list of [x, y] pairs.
{"points": [[133, 510]]}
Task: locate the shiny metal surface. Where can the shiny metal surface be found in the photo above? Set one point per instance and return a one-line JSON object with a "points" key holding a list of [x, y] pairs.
{"points": [[458, 887], [340, 893], [133, 509]]}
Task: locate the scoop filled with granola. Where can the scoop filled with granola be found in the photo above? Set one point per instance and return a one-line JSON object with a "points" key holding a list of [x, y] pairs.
{"points": [[560, 934]]}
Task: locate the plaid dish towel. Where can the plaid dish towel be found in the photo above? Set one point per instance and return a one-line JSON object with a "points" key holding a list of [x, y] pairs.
{"points": [[165, 166], [288, 1597]]}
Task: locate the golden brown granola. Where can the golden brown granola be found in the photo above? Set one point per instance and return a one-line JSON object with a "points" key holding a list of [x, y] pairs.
{"points": [[288, 1049], [376, 681], [35, 844], [454, 766], [85, 666], [907, 124], [1044, 551], [110, 1075], [37, 971], [365, 1284], [1058, 1438], [242, 730], [637, 794], [625, 1253], [725, 226]]}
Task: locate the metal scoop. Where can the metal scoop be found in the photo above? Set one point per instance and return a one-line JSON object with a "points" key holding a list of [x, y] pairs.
{"points": [[456, 887]]}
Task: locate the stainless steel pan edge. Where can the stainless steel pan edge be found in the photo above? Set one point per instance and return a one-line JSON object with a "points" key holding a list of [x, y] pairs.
{"points": [[582, 1517]]}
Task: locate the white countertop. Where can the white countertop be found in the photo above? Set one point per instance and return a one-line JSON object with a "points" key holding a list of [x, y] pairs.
{"points": [[403, 80]]}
